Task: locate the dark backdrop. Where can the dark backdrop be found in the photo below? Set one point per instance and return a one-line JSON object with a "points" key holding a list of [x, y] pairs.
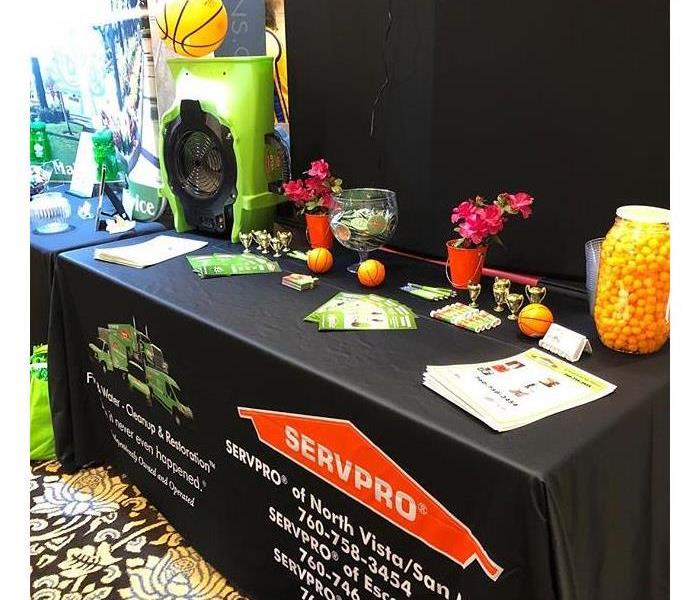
{"points": [[566, 100]]}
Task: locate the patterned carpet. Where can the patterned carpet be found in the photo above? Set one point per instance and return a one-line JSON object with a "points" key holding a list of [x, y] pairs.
{"points": [[93, 536]]}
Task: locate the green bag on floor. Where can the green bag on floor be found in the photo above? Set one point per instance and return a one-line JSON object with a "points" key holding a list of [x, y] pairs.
{"points": [[41, 445]]}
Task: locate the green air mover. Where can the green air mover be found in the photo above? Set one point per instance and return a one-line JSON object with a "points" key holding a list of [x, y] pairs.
{"points": [[222, 164]]}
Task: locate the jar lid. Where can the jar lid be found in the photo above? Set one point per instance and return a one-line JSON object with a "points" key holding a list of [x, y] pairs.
{"points": [[644, 214], [37, 125]]}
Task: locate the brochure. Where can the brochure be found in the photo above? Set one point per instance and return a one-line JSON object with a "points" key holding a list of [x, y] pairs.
{"points": [[351, 312], [221, 265], [151, 252], [518, 390]]}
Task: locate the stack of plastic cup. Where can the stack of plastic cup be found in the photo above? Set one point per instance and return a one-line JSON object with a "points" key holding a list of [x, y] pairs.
{"points": [[592, 248]]}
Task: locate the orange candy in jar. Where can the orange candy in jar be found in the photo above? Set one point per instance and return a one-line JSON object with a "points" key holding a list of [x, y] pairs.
{"points": [[631, 305]]}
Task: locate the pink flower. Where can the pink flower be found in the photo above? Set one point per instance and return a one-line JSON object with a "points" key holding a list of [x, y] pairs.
{"points": [[320, 169], [521, 202], [296, 192], [463, 211], [474, 228], [316, 186], [492, 216]]}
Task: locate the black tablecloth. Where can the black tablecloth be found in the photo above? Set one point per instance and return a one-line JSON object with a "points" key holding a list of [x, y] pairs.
{"points": [[45, 247], [574, 506]]}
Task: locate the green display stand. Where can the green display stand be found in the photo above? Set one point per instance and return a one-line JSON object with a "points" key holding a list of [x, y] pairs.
{"points": [[238, 93]]}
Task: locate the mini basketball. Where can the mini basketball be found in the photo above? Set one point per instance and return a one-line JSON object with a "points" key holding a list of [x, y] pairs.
{"points": [[319, 260], [192, 27], [534, 320], [371, 273]]}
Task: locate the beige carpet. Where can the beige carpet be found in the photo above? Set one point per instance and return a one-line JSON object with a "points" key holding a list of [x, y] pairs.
{"points": [[94, 536]]}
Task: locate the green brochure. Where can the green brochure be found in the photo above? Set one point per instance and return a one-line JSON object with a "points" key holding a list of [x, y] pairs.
{"points": [[348, 312], [221, 265]]}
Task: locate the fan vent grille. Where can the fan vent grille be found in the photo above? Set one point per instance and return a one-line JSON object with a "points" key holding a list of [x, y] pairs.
{"points": [[200, 164]]}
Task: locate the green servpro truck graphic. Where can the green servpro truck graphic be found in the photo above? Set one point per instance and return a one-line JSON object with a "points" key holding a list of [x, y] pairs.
{"points": [[122, 347]]}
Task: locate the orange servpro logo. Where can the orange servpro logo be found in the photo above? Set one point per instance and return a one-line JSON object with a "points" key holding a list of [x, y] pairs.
{"points": [[340, 454]]}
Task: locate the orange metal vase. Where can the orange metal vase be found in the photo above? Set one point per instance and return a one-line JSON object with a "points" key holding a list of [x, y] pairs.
{"points": [[465, 264], [318, 231]]}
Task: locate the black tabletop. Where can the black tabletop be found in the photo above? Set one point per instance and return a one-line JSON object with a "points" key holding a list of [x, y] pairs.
{"points": [[387, 366]]}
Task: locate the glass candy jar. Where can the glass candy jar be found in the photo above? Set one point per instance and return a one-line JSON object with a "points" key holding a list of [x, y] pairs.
{"points": [[632, 300]]}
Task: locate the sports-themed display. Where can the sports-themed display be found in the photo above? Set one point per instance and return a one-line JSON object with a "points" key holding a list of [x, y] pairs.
{"points": [[192, 27], [360, 465], [221, 163]]}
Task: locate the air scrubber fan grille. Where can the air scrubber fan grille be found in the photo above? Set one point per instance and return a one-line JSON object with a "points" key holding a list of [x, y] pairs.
{"points": [[200, 164]]}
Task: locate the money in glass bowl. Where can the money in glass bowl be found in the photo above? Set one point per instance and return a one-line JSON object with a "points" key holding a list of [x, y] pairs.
{"points": [[363, 219]]}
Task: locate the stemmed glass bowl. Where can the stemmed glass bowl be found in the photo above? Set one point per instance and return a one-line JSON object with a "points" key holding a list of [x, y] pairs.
{"points": [[363, 219]]}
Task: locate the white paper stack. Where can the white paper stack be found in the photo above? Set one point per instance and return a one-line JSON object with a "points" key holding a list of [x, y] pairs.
{"points": [[516, 391], [151, 252]]}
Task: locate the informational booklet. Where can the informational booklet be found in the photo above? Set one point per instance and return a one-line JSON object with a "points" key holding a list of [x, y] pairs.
{"points": [[221, 265], [353, 312], [151, 252], [516, 391]]}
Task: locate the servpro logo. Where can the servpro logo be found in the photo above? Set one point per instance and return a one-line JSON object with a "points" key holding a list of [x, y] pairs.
{"points": [[340, 454], [349, 473]]}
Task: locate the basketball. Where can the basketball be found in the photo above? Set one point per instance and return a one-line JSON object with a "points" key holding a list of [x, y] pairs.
{"points": [[192, 27], [371, 273], [534, 320], [319, 260]]}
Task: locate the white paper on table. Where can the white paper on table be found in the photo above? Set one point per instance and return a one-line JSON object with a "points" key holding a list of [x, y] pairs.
{"points": [[151, 252]]}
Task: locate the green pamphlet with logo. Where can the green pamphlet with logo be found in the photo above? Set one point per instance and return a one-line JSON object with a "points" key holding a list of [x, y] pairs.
{"points": [[222, 265], [353, 312]]}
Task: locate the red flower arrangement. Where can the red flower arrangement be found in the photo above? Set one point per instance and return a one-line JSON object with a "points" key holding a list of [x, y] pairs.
{"points": [[479, 222], [314, 194]]}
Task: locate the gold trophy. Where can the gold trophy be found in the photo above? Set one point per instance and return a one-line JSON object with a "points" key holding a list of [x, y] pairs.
{"points": [[264, 240], [514, 302], [286, 238], [246, 240], [535, 293], [256, 234], [474, 291], [502, 281], [276, 246], [500, 291]]}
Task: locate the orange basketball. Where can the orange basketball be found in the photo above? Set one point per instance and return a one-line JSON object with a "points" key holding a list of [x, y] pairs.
{"points": [[319, 260], [371, 273], [534, 320]]}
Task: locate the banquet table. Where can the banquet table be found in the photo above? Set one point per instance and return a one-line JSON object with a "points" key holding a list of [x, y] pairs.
{"points": [[43, 249], [315, 465]]}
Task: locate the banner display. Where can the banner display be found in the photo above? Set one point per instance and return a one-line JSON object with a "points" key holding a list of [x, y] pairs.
{"points": [[316, 466]]}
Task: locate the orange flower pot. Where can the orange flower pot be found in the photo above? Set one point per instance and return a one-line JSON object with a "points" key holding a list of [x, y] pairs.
{"points": [[318, 231], [464, 264]]}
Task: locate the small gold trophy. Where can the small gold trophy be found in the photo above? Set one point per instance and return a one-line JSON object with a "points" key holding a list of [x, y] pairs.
{"points": [[256, 234], [276, 246], [500, 291], [535, 293], [502, 281], [246, 240], [264, 241], [286, 238], [474, 291], [514, 302]]}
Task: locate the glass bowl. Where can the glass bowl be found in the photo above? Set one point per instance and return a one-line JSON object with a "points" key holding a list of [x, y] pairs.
{"points": [[49, 213], [363, 219]]}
